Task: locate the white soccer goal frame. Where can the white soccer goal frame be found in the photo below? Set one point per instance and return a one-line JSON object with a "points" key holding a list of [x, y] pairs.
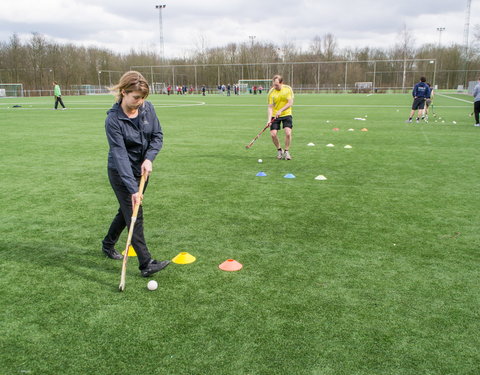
{"points": [[9, 90], [365, 87], [159, 88], [245, 85]]}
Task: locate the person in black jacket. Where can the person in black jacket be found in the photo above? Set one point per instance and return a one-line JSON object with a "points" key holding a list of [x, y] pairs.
{"points": [[135, 137], [420, 93]]}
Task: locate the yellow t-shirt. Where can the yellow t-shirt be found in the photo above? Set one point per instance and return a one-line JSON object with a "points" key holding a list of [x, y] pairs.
{"points": [[278, 98]]}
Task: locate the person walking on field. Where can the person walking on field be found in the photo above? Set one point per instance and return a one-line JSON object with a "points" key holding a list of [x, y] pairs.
{"points": [[420, 93], [135, 137], [58, 95], [428, 102], [476, 102], [280, 101]]}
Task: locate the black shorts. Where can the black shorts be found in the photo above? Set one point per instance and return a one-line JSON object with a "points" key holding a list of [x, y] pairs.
{"points": [[286, 121], [418, 103]]}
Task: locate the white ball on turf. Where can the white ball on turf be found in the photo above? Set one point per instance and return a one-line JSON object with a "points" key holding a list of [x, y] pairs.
{"points": [[260, 160], [152, 285]]}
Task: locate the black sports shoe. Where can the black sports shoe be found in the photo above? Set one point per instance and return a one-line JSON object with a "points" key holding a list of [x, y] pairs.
{"points": [[112, 253], [154, 267]]}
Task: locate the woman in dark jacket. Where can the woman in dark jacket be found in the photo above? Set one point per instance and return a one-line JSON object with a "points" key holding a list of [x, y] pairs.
{"points": [[135, 138]]}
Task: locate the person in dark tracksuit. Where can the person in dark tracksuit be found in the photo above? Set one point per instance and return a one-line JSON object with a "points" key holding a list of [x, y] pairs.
{"points": [[135, 137], [476, 102], [420, 93]]}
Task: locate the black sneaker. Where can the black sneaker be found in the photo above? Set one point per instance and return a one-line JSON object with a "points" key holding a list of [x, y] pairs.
{"points": [[154, 267], [112, 253]]}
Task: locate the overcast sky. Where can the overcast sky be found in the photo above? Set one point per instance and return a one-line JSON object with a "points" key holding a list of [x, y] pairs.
{"points": [[124, 25]]}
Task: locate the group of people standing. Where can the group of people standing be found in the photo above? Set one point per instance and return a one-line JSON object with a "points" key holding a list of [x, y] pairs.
{"points": [[422, 99], [179, 89], [222, 89]]}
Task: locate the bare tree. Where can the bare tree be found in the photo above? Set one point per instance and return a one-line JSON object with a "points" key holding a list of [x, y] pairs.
{"points": [[476, 37], [329, 44], [15, 54], [404, 49], [37, 61], [316, 46]]}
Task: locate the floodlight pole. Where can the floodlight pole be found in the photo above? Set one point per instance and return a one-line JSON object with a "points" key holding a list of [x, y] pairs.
{"points": [[151, 80], [434, 71], [318, 78], [196, 86], [440, 29], [160, 24]]}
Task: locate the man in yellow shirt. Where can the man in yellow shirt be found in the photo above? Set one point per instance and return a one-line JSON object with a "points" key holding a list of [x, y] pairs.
{"points": [[280, 101]]}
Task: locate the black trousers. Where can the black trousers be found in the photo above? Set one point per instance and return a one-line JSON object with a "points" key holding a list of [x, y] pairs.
{"points": [[476, 110], [123, 218], [58, 99]]}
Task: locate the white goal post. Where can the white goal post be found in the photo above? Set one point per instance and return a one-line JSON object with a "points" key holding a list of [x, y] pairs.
{"points": [[159, 88], [11, 90], [363, 87], [254, 86], [471, 86]]}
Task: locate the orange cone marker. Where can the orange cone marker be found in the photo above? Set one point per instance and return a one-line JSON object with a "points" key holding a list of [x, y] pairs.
{"points": [[230, 265]]}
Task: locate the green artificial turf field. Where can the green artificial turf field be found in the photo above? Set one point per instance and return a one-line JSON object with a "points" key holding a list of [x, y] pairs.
{"points": [[372, 271]]}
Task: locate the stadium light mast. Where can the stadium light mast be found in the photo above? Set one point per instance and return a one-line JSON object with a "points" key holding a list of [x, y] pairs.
{"points": [[440, 30], [160, 25], [466, 30]]}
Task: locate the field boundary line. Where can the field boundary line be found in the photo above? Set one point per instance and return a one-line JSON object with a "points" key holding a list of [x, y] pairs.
{"points": [[452, 97], [425, 136]]}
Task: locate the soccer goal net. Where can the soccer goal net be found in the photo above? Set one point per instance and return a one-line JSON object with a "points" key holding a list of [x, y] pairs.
{"points": [[471, 86], [365, 87], [11, 89], [159, 88], [254, 86]]}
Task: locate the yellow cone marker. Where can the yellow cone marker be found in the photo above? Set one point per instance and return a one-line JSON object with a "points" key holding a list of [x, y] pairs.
{"points": [[184, 258], [131, 251]]}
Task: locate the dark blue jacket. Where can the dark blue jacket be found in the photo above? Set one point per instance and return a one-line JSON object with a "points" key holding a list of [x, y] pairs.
{"points": [[131, 145], [421, 90]]}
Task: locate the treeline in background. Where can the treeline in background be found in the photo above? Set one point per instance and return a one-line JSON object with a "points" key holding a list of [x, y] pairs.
{"points": [[38, 61]]}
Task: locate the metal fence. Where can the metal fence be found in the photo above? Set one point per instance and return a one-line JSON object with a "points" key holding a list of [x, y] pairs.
{"points": [[311, 77], [385, 76]]}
